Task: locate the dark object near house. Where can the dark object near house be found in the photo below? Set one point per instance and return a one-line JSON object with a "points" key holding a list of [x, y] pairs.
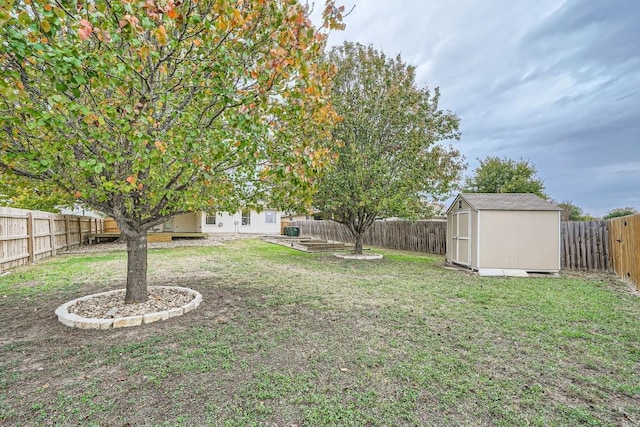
{"points": [[292, 231]]}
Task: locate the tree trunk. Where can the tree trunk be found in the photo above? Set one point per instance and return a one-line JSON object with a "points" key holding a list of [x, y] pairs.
{"points": [[358, 248], [136, 268]]}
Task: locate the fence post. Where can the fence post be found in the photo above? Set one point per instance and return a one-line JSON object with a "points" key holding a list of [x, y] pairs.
{"points": [[67, 228], [30, 238], [52, 234], [80, 230]]}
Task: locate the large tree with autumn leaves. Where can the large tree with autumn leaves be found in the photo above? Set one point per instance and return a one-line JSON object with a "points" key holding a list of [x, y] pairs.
{"points": [[147, 109]]}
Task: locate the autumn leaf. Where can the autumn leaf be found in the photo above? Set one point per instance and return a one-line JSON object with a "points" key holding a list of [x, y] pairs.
{"points": [[131, 179], [161, 35], [85, 29], [129, 20], [143, 52], [103, 35], [160, 146], [170, 10]]}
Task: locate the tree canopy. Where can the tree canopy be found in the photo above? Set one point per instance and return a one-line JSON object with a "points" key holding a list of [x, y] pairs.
{"points": [[18, 192], [496, 175], [144, 110], [618, 212], [571, 212], [389, 157]]}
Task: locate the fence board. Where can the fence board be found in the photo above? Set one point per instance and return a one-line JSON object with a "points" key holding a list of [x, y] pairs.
{"points": [[589, 249], [420, 236], [624, 241], [564, 236]]}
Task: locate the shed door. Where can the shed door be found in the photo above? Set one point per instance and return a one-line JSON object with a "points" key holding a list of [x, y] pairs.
{"points": [[461, 252]]}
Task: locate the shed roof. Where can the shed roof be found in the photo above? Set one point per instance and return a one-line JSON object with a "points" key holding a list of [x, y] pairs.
{"points": [[508, 202]]}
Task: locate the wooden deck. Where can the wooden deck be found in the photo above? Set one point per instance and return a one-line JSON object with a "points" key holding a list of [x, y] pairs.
{"points": [[151, 237]]}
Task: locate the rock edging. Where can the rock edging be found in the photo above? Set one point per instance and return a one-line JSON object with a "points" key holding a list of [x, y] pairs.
{"points": [[75, 321]]}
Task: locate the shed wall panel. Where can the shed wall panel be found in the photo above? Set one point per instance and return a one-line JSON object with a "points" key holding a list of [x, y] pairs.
{"points": [[527, 240], [498, 241], [539, 242]]}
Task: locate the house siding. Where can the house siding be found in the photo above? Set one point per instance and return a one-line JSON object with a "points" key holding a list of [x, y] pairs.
{"points": [[232, 223]]}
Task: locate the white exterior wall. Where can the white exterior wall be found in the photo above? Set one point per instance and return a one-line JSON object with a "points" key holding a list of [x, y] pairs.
{"points": [[232, 223]]}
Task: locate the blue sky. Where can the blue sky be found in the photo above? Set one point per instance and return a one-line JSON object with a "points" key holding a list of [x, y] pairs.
{"points": [[553, 82]]}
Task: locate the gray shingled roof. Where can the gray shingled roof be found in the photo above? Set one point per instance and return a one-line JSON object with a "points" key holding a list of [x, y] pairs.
{"points": [[508, 202]]}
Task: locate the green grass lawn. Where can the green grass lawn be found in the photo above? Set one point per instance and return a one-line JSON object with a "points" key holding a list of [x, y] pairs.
{"points": [[288, 338]]}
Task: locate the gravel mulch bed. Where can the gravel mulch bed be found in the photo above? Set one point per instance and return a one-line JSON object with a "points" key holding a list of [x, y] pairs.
{"points": [[112, 306]]}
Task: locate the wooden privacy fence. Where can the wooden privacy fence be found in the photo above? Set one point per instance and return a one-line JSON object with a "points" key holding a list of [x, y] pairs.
{"points": [[420, 236], [585, 246], [624, 241], [28, 236]]}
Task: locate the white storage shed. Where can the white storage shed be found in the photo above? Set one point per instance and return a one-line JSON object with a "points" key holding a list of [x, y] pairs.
{"points": [[503, 231]]}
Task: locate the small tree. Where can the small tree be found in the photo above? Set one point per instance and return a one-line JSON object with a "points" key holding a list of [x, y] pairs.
{"points": [[389, 158], [495, 175], [571, 212], [145, 110], [618, 212]]}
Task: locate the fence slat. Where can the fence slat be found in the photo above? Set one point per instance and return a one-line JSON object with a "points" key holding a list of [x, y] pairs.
{"points": [[624, 244]]}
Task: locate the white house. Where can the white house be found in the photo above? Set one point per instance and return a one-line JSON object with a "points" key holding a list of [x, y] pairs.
{"points": [[242, 222]]}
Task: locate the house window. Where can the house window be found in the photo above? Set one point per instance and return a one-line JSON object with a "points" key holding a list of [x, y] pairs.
{"points": [[246, 217], [270, 217], [211, 218]]}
